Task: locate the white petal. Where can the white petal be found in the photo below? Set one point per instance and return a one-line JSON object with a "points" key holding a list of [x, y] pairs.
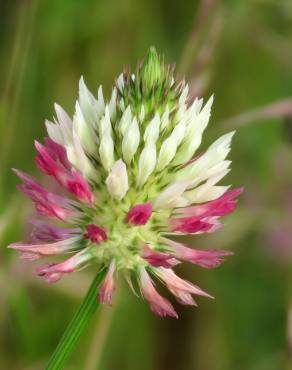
{"points": [[207, 190], [171, 196], [219, 170], [147, 162], [105, 123], [54, 132], [113, 104], [197, 122], [182, 103], [84, 131], [89, 106], [106, 146], [100, 107], [106, 151], [117, 180], [215, 154], [205, 193], [78, 158], [120, 82], [184, 94], [126, 120], [179, 131], [131, 141], [152, 130], [165, 119], [65, 123], [167, 152], [169, 146], [194, 109]]}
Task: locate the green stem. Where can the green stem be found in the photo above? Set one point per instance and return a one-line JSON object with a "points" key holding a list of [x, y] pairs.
{"points": [[76, 326]]}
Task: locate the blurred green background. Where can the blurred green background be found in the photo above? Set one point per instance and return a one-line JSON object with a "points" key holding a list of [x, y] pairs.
{"points": [[240, 50]]}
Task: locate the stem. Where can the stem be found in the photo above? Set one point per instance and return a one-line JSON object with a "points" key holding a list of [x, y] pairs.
{"points": [[76, 326], [99, 338], [200, 23], [278, 109]]}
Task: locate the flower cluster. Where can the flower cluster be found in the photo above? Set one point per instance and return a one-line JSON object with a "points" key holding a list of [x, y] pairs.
{"points": [[133, 180]]}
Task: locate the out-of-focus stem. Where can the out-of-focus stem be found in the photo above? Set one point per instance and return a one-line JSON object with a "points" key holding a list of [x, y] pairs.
{"points": [[77, 326], [201, 74], [98, 341], [280, 109], [289, 335], [200, 21], [24, 32]]}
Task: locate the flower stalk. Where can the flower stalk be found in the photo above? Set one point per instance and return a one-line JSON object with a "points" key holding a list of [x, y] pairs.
{"points": [[77, 326]]}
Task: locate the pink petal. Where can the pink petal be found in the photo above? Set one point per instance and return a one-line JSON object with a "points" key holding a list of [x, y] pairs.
{"points": [[108, 286], [58, 152], [219, 207], [28, 256], [140, 214], [47, 272], [47, 204], [78, 186], [183, 297], [191, 225], [177, 285], [158, 258], [42, 231], [204, 218], [204, 258], [95, 233], [53, 272], [52, 160], [33, 250], [159, 305]]}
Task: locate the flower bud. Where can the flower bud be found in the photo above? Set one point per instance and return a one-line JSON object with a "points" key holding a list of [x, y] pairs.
{"points": [[117, 180], [147, 162], [131, 141]]}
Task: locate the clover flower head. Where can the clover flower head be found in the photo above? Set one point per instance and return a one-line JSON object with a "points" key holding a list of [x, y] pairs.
{"points": [[134, 180]]}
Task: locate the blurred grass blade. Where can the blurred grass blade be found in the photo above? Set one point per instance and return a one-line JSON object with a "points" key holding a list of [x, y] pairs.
{"points": [[279, 109], [200, 24], [77, 326]]}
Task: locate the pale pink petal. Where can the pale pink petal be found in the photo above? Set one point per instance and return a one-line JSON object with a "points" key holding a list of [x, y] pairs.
{"points": [[183, 297], [28, 256], [204, 258], [46, 249], [159, 305], [52, 272], [108, 285], [175, 284]]}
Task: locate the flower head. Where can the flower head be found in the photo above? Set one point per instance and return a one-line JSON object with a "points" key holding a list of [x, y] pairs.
{"points": [[133, 179]]}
